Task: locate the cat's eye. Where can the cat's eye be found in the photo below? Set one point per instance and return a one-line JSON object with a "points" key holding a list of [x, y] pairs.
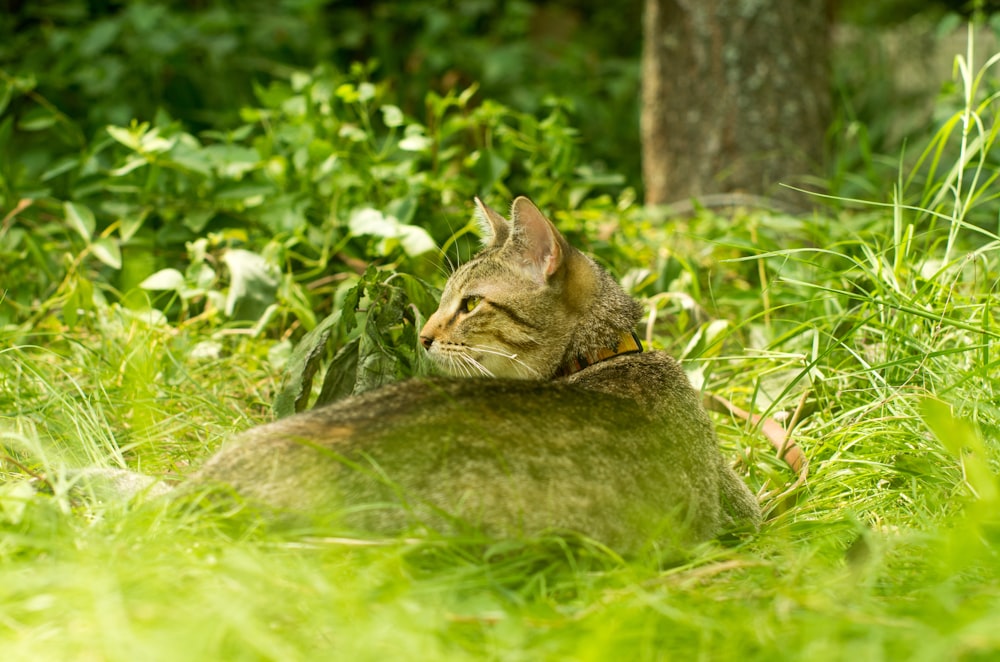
{"points": [[469, 303]]}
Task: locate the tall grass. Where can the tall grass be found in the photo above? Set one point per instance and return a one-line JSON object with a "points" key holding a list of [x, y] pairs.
{"points": [[878, 328]]}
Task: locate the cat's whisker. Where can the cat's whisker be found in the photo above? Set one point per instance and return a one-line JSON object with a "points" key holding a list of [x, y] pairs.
{"points": [[483, 370], [460, 365], [496, 352], [519, 364]]}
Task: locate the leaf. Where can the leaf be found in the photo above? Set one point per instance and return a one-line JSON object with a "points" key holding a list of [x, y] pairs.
{"points": [[418, 293], [392, 116], [61, 166], [196, 219], [302, 365], [372, 222], [253, 284], [379, 356], [232, 161], [353, 298], [347, 92], [37, 120], [415, 140], [415, 143], [352, 132], [341, 374], [131, 222], [490, 168], [376, 365], [107, 250], [164, 279], [127, 137], [414, 240], [366, 92], [189, 157], [80, 218], [134, 162]]}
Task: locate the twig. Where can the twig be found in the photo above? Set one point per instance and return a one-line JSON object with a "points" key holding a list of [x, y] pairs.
{"points": [[781, 439], [39, 477]]}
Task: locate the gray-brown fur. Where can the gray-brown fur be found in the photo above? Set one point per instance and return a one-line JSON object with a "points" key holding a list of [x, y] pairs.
{"points": [[621, 451]]}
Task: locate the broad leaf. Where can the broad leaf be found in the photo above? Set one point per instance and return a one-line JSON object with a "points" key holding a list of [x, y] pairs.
{"points": [[164, 279], [107, 250], [81, 219], [302, 366], [253, 284]]}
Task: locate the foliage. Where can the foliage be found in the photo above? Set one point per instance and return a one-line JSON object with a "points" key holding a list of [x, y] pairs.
{"points": [[325, 176]]}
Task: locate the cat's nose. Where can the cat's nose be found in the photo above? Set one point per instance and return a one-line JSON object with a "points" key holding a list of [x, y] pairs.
{"points": [[426, 341]]}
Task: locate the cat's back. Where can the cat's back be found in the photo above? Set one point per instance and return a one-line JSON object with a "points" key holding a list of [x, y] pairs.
{"points": [[507, 456]]}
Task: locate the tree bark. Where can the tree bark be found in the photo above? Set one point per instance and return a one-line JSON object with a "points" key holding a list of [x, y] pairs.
{"points": [[736, 96]]}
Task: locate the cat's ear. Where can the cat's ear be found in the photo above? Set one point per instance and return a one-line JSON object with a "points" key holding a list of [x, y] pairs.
{"points": [[494, 228], [542, 247]]}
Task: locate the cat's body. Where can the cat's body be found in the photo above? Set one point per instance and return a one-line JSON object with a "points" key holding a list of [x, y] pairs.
{"points": [[553, 421]]}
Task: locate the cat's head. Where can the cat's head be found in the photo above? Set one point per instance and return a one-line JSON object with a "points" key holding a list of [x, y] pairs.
{"points": [[519, 307]]}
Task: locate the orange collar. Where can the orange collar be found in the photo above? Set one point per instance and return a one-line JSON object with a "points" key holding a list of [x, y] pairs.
{"points": [[628, 344]]}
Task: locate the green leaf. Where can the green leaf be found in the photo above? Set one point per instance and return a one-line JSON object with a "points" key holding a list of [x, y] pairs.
{"points": [[61, 166], [347, 92], [419, 293], [353, 298], [376, 365], [134, 162], [129, 138], [372, 222], [302, 366], [490, 168], [107, 250], [341, 375], [196, 220], [415, 143], [131, 222], [164, 279], [37, 119], [392, 116], [81, 219], [366, 92], [413, 239], [253, 284], [232, 161]]}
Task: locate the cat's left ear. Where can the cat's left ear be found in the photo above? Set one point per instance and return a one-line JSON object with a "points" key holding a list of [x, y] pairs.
{"points": [[542, 247], [494, 228]]}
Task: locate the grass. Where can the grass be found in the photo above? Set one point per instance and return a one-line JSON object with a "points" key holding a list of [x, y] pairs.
{"points": [[881, 322]]}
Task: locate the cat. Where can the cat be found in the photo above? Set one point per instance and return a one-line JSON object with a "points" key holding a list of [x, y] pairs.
{"points": [[548, 417]]}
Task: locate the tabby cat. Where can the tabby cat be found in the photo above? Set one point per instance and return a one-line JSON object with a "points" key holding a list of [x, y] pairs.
{"points": [[551, 419]]}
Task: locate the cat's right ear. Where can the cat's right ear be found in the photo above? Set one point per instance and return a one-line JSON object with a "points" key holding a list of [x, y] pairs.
{"points": [[494, 227]]}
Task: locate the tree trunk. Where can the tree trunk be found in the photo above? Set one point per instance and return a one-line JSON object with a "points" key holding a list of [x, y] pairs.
{"points": [[736, 96]]}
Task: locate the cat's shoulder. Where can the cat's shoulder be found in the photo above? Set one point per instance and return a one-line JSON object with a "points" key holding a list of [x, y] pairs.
{"points": [[653, 379]]}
